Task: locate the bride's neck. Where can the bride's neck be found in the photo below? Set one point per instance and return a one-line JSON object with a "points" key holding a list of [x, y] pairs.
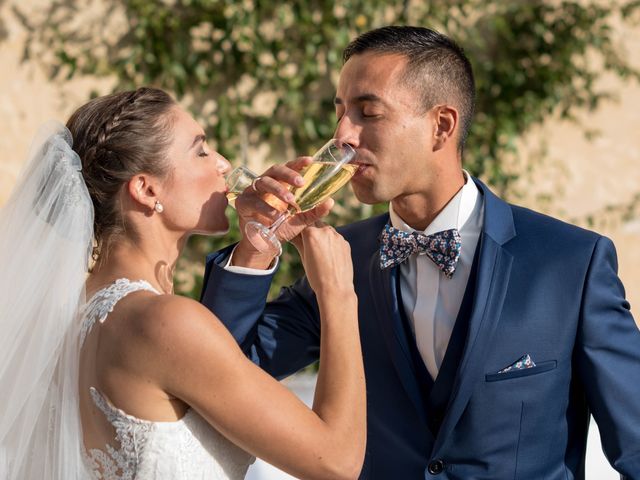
{"points": [[153, 260]]}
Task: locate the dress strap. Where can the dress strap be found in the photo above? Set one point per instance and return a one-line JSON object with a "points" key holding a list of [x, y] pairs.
{"points": [[104, 300]]}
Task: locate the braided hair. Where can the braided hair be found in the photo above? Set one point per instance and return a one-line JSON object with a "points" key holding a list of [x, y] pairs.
{"points": [[116, 137]]}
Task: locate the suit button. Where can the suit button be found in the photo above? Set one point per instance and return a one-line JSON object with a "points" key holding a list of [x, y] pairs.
{"points": [[435, 467]]}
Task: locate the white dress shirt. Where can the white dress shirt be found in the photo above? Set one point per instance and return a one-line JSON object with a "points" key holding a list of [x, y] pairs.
{"points": [[431, 300], [247, 270]]}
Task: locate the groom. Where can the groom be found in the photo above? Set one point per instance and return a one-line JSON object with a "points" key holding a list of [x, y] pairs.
{"points": [[489, 332]]}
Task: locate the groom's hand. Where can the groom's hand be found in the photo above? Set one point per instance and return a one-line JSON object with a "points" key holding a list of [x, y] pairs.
{"points": [[265, 201]]}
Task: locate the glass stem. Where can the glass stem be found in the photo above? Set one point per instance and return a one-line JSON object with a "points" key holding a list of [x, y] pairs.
{"points": [[281, 219]]}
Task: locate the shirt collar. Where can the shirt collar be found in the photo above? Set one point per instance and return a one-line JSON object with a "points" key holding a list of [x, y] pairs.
{"points": [[454, 215]]}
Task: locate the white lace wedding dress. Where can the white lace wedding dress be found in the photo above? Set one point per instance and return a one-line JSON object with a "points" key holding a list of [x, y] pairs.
{"points": [[187, 449]]}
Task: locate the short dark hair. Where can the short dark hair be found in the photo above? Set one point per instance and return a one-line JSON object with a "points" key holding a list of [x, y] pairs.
{"points": [[436, 66]]}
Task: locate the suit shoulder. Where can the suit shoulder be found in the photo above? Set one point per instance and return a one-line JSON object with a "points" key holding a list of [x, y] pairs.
{"points": [[537, 225], [366, 226], [363, 235]]}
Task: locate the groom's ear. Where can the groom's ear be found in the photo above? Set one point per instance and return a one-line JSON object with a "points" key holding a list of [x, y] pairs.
{"points": [[445, 123], [142, 190]]}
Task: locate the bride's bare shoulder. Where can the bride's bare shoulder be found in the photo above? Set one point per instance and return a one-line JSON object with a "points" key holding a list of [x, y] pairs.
{"points": [[171, 306], [173, 319]]}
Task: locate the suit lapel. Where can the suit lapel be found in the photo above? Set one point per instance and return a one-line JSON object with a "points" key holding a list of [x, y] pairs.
{"points": [[494, 269], [388, 314]]}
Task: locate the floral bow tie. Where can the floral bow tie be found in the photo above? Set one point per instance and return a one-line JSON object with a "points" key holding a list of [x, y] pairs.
{"points": [[443, 248]]}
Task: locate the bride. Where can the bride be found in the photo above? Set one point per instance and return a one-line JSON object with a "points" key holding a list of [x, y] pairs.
{"points": [[111, 375]]}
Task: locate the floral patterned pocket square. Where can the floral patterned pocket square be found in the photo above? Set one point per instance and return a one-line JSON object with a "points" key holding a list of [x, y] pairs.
{"points": [[520, 364]]}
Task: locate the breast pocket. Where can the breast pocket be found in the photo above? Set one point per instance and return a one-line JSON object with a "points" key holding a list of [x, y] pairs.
{"points": [[524, 372]]}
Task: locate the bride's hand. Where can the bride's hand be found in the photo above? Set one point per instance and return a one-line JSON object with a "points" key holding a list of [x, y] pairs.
{"points": [[326, 257], [265, 201]]}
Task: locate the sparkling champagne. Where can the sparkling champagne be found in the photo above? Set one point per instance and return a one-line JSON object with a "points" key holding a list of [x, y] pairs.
{"points": [[329, 171], [231, 196], [322, 179], [272, 200]]}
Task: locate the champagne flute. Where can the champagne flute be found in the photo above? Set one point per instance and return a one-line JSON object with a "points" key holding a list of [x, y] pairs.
{"points": [[237, 181], [329, 171], [241, 178]]}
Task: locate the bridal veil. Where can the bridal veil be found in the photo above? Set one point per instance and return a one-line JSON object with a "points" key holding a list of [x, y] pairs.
{"points": [[46, 237]]}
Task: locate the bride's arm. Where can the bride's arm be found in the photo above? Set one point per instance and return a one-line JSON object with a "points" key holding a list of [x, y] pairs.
{"points": [[199, 362]]}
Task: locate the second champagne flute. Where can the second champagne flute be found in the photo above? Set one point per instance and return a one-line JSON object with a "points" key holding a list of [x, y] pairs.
{"points": [[237, 181], [328, 172]]}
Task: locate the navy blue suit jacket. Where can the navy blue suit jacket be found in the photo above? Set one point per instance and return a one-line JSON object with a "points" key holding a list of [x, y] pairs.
{"points": [[544, 288]]}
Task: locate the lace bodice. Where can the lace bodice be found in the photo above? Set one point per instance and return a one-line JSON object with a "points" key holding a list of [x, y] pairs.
{"points": [[182, 450]]}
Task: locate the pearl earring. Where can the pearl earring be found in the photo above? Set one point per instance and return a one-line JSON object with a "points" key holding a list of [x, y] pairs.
{"points": [[158, 207]]}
